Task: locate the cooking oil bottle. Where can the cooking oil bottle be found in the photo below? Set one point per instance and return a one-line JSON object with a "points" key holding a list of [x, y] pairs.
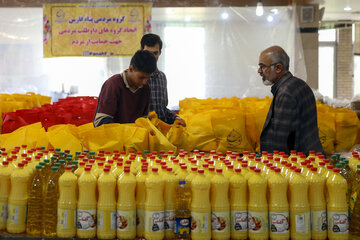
{"points": [[34, 224], [354, 226], [182, 211], [50, 203]]}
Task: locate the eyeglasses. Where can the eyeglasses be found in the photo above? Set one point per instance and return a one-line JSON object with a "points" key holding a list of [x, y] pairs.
{"points": [[262, 66]]}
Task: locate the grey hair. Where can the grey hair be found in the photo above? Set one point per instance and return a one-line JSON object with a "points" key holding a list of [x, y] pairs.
{"points": [[280, 57]]}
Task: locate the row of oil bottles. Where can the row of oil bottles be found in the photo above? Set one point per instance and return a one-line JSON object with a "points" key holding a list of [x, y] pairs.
{"points": [[108, 195]]}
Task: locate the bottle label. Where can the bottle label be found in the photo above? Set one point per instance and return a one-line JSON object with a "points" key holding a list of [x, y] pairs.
{"points": [[239, 221], [200, 222], [338, 222], [220, 221], [279, 222], [86, 219], [3, 211], [154, 221], [140, 215], [126, 221], [318, 221], [17, 214], [169, 220], [182, 226], [302, 222], [66, 219], [258, 222], [106, 220]]}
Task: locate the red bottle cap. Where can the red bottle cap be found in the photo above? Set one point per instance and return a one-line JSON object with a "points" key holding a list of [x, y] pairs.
{"points": [[219, 170], [201, 171]]}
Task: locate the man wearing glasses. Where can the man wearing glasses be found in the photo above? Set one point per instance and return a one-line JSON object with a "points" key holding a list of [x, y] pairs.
{"points": [[291, 123]]}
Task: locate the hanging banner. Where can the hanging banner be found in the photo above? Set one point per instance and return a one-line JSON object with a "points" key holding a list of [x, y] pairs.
{"points": [[94, 29]]}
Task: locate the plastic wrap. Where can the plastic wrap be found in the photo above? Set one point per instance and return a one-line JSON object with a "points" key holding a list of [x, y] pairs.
{"points": [[208, 53]]}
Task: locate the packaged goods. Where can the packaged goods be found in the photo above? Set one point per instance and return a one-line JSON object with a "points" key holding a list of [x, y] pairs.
{"points": [[200, 208], [50, 203], [337, 207], [154, 206], [279, 222], [182, 211], [5, 173], [34, 220], [257, 207], [299, 207], [220, 208], [126, 205], [86, 206], [140, 201], [106, 206], [171, 183], [66, 212], [317, 205], [16, 222], [238, 206]]}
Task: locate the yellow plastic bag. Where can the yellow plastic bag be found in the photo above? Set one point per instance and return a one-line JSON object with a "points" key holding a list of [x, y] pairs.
{"points": [[157, 141], [32, 135], [162, 126], [230, 132], [107, 137], [326, 125], [178, 136], [346, 129], [64, 136], [135, 138]]}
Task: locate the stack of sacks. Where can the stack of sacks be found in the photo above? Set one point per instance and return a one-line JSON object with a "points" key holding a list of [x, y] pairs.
{"points": [[71, 110], [13, 102]]}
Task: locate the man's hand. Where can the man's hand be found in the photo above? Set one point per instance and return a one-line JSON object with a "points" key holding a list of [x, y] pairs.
{"points": [[180, 121]]}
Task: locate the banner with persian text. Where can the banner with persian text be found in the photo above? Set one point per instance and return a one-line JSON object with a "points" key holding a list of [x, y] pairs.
{"points": [[94, 29]]}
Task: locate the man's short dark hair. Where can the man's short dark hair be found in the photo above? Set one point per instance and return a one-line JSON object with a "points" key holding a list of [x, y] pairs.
{"points": [[144, 61], [151, 40]]}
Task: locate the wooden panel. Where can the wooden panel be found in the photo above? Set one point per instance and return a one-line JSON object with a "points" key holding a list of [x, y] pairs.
{"points": [[162, 3]]}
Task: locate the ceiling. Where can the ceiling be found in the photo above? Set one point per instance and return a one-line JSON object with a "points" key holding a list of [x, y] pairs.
{"points": [[334, 10]]}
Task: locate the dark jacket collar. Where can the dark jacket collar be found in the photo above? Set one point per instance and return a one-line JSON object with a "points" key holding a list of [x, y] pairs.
{"points": [[285, 77]]}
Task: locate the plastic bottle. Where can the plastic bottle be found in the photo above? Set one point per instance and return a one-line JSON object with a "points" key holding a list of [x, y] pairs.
{"points": [[126, 205], [299, 207], [16, 222], [171, 183], [5, 173], [337, 208], [154, 206], [354, 227], [257, 207], [140, 201], [50, 203], [200, 208], [192, 174], [345, 171], [278, 206], [317, 205], [354, 193], [66, 223], [182, 211], [34, 220], [182, 173], [238, 206], [106, 206], [220, 208], [86, 206]]}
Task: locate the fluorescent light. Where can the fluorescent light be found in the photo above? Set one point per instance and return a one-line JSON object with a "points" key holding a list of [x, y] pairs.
{"points": [[259, 9], [347, 8], [19, 20], [270, 18], [187, 19], [224, 15]]}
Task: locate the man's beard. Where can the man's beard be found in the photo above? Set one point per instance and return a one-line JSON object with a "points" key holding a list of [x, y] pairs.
{"points": [[268, 83]]}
